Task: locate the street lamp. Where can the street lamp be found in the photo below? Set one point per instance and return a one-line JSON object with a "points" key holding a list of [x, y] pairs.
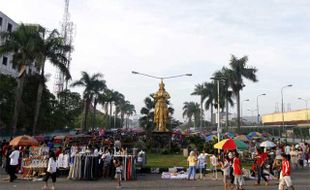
{"points": [[218, 79], [282, 107], [257, 108], [247, 100], [306, 102], [252, 114]]}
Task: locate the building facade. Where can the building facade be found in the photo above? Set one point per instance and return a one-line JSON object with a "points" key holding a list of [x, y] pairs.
{"points": [[6, 66], [295, 117]]}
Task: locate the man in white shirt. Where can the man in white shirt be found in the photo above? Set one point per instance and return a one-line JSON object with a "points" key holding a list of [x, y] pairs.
{"points": [[14, 157]]}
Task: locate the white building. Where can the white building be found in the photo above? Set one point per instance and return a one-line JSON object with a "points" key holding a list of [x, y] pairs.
{"points": [[6, 66]]}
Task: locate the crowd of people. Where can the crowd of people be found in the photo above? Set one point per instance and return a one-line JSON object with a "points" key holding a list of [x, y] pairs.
{"points": [[266, 163]]}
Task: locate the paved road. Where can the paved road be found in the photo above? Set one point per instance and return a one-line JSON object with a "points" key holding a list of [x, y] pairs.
{"points": [[301, 180]]}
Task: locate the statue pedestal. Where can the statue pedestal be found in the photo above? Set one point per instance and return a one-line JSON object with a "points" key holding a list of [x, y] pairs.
{"points": [[161, 141]]}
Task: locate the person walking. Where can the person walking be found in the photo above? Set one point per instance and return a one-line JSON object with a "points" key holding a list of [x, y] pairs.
{"points": [[14, 158], [259, 162], [239, 181], [192, 162], [285, 176], [51, 171], [202, 164]]}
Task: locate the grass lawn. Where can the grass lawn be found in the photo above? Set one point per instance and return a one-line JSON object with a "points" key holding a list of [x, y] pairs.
{"points": [[165, 161], [171, 160]]}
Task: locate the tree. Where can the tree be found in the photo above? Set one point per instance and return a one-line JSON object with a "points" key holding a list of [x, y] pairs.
{"points": [[118, 98], [225, 93], [237, 71], [53, 49], [190, 110], [211, 92], [147, 119], [91, 85], [201, 91], [23, 43]]}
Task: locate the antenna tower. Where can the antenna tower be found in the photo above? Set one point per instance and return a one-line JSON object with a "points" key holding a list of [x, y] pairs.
{"points": [[67, 33]]}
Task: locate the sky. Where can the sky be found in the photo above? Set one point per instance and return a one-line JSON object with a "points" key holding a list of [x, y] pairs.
{"points": [[170, 37]]}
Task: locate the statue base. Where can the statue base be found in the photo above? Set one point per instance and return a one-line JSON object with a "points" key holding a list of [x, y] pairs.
{"points": [[161, 141]]}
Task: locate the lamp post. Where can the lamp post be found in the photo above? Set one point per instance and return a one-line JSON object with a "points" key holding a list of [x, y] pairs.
{"points": [[247, 100], [218, 79], [306, 102], [252, 114], [257, 108], [282, 108]]}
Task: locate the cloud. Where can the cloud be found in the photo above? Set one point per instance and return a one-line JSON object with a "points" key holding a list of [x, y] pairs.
{"points": [[177, 36]]}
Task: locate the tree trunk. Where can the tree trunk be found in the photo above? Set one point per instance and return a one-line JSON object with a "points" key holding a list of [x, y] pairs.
{"points": [[201, 113], [85, 114], [38, 101], [94, 114], [212, 120], [238, 110], [110, 118], [227, 112], [18, 101]]}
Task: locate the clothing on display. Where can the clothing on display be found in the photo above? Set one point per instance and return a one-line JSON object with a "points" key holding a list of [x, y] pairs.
{"points": [[63, 161], [85, 167]]}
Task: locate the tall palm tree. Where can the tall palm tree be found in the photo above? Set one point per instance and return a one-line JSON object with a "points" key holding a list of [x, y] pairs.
{"points": [[225, 94], [23, 43], [129, 111], [201, 91], [118, 99], [211, 92], [53, 49], [91, 85], [237, 71], [147, 119], [190, 110]]}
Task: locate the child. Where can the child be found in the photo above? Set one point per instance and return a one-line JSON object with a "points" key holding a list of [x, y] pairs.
{"points": [[285, 176], [214, 163], [51, 170], [118, 170]]}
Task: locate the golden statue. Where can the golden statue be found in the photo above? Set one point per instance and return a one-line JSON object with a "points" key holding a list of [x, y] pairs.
{"points": [[161, 108]]}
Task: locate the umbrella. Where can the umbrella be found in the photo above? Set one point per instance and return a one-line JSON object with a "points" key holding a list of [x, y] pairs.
{"points": [[266, 135], [24, 141], [229, 134], [254, 135], [230, 144], [210, 138], [267, 144], [242, 138]]}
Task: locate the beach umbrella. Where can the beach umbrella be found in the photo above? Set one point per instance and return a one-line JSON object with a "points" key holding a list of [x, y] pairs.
{"points": [[229, 134], [210, 138], [24, 141], [267, 144], [242, 138], [230, 144]]}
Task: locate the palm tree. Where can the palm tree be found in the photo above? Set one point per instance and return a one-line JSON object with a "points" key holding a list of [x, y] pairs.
{"points": [[92, 85], [238, 70], [54, 49], [118, 99], [147, 112], [23, 43], [190, 110], [225, 94], [211, 92], [201, 91], [125, 108]]}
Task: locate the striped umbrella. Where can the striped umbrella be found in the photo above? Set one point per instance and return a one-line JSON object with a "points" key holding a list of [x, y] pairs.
{"points": [[230, 144]]}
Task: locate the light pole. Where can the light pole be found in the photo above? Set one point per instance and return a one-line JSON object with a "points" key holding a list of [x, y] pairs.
{"points": [[306, 102], [257, 107], [282, 107], [252, 114], [218, 79], [247, 100]]}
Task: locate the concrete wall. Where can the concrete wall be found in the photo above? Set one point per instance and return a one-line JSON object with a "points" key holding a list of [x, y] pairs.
{"points": [[292, 117]]}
